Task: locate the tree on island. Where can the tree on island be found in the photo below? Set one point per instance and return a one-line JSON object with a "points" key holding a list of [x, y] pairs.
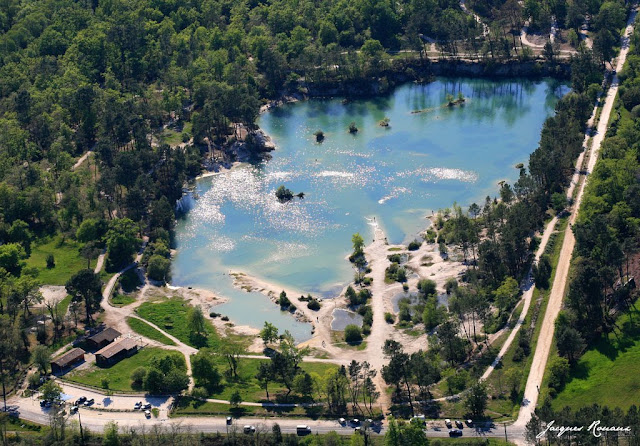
{"points": [[284, 194], [352, 128], [319, 136]]}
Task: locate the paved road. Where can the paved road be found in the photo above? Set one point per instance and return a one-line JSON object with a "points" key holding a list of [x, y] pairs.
{"points": [[545, 339]]}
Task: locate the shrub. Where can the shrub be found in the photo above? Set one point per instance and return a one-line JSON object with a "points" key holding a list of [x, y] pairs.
{"points": [[319, 136], [389, 318], [199, 392], [352, 334], [313, 304], [353, 128], [284, 301], [138, 376], [367, 281], [414, 245], [105, 383], [427, 287], [451, 285], [366, 330], [558, 373], [158, 268], [51, 261]]}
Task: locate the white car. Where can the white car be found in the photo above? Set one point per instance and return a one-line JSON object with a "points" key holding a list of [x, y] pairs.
{"points": [[447, 422], [137, 405], [147, 413], [342, 421], [248, 429]]}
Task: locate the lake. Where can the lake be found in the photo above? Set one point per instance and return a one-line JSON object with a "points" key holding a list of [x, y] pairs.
{"points": [[398, 175]]}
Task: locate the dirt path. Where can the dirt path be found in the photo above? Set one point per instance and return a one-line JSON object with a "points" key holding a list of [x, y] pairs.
{"points": [[81, 160], [554, 306]]}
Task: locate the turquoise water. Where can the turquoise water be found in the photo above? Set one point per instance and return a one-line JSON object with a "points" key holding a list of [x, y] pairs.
{"points": [[398, 175]]}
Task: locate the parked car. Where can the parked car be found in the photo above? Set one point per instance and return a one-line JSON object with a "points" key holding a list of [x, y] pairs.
{"points": [[459, 424], [470, 423], [247, 429], [89, 402], [303, 429], [73, 409], [81, 400], [229, 421], [147, 413], [146, 406], [447, 423], [355, 422], [455, 433], [137, 406], [342, 421]]}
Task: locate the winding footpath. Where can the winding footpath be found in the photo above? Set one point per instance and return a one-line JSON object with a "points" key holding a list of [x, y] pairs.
{"points": [[554, 306]]}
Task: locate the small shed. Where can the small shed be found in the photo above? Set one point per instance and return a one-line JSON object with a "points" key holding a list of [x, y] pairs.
{"points": [[73, 356], [103, 338], [116, 351]]}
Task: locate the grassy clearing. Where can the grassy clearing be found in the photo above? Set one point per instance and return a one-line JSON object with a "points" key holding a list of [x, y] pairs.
{"points": [[173, 136], [171, 316], [608, 371], [248, 385], [122, 300], [119, 374], [144, 329], [66, 254]]}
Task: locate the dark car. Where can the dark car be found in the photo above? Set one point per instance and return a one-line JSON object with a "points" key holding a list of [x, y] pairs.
{"points": [[229, 420], [81, 400], [455, 433], [89, 402], [459, 424]]}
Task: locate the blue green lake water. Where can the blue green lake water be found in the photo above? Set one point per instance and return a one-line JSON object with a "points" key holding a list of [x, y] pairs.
{"points": [[422, 162]]}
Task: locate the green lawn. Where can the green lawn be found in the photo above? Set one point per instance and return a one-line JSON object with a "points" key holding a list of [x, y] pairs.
{"points": [[119, 374], [68, 260], [122, 300], [608, 371], [171, 316], [172, 136], [144, 329], [249, 387]]}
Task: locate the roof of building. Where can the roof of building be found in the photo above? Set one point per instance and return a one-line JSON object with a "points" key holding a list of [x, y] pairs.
{"points": [[117, 347], [68, 357], [108, 334]]}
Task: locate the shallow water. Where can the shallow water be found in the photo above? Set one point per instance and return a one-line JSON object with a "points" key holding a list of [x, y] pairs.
{"points": [[398, 175], [342, 318]]}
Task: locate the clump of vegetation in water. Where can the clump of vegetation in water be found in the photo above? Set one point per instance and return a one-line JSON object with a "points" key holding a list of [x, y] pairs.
{"points": [[384, 122], [352, 128], [284, 194], [319, 136], [451, 101]]}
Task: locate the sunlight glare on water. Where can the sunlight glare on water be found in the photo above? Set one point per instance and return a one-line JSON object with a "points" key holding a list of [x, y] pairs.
{"points": [[422, 162]]}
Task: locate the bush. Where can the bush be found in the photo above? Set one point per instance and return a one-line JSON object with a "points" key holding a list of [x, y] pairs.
{"points": [[51, 261], [105, 383], [353, 128], [319, 136], [199, 392], [414, 245], [427, 287], [352, 334], [313, 304], [389, 318], [451, 285], [284, 301], [366, 330], [558, 373], [367, 281], [138, 376], [158, 268]]}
